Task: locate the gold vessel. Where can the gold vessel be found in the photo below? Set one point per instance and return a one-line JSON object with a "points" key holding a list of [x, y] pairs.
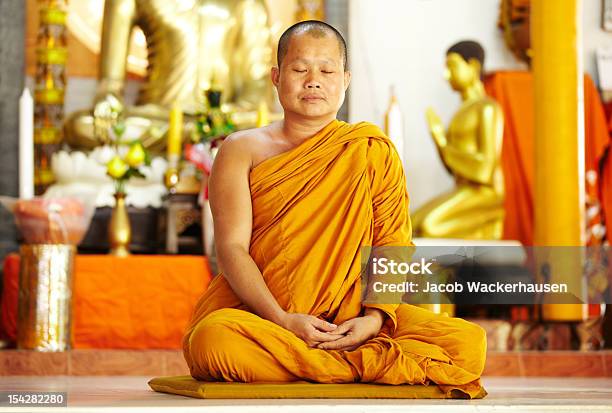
{"points": [[119, 230], [45, 296]]}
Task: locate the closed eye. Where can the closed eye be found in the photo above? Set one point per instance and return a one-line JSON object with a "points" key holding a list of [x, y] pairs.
{"points": [[327, 72], [299, 71]]}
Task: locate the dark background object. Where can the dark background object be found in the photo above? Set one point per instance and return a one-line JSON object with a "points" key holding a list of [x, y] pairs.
{"points": [[12, 78], [146, 231]]}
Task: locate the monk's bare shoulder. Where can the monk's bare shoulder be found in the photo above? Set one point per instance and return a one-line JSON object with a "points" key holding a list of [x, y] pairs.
{"points": [[245, 146], [255, 144]]}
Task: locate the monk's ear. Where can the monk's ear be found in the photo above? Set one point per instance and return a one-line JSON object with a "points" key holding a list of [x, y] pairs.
{"points": [[347, 79], [274, 75]]}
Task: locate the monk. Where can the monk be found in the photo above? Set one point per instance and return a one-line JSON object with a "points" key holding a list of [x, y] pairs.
{"points": [[293, 203]]}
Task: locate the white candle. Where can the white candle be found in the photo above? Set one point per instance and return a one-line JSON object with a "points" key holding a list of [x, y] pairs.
{"points": [[394, 125], [26, 145]]}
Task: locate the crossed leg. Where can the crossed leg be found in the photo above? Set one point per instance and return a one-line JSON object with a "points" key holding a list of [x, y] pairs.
{"points": [[236, 345]]}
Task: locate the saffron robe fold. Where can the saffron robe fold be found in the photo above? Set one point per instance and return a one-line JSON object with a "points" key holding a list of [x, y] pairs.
{"points": [[314, 207]]}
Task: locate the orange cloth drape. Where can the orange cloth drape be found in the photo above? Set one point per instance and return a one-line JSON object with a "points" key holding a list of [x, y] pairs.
{"points": [[314, 207], [138, 302], [514, 92]]}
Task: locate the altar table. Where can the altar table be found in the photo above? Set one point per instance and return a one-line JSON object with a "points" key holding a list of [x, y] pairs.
{"points": [[138, 302]]}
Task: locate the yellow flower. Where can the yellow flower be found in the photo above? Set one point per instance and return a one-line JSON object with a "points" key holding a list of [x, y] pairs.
{"points": [[116, 167], [135, 156]]}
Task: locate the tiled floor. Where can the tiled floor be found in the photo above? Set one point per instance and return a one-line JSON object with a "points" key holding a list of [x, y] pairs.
{"points": [[108, 394]]}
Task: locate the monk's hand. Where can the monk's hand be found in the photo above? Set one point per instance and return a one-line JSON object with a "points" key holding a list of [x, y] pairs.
{"points": [[310, 328], [356, 331]]}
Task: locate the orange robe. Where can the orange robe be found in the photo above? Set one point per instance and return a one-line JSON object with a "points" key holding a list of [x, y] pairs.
{"points": [[314, 207]]}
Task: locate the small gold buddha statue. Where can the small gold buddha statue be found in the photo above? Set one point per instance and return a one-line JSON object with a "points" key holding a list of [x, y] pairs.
{"points": [[190, 43], [470, 149]]}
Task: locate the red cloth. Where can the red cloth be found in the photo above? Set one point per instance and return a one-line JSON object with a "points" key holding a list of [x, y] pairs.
{"points": [[8, 305], [514, 92], [608, 110], [138, 302]]}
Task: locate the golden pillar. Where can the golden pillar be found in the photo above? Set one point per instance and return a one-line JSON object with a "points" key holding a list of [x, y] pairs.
{"points": [[559, 144]]}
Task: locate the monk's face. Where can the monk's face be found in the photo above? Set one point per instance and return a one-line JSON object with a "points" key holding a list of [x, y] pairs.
{"points": [[311, 81]]}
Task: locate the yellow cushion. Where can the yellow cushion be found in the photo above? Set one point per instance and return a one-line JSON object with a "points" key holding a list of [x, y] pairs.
{"points": [[188, 386]]}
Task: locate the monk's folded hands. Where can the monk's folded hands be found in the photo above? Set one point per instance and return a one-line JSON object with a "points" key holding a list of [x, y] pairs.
{"points": [[310, 328], [356, 331]]}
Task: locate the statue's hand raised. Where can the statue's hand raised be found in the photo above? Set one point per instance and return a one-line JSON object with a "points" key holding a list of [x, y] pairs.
{"points": [[436, 127]]}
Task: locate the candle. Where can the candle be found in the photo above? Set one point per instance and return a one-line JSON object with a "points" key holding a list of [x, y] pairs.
{"points": [[26, 145], [394, 128], [175, 132]]}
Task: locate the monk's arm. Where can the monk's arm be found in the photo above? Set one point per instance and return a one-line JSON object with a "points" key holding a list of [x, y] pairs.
{"points": [[230, 202], [390, 206]]}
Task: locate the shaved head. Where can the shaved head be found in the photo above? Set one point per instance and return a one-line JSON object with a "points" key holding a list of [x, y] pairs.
{"points": [[313, 28]]}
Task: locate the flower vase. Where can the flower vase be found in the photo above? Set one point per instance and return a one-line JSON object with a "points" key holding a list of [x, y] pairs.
{"points": [[119, 231]]}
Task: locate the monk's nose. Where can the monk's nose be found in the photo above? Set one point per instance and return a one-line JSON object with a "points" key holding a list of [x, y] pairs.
{"points": [[312, 82]]}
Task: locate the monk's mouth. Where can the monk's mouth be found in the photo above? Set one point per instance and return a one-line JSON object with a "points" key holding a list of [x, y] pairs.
{"points": [[313, 99]]}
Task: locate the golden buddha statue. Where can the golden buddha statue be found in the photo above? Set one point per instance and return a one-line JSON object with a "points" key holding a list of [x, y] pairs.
{"points": [[190, 43], [470, 150]]}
